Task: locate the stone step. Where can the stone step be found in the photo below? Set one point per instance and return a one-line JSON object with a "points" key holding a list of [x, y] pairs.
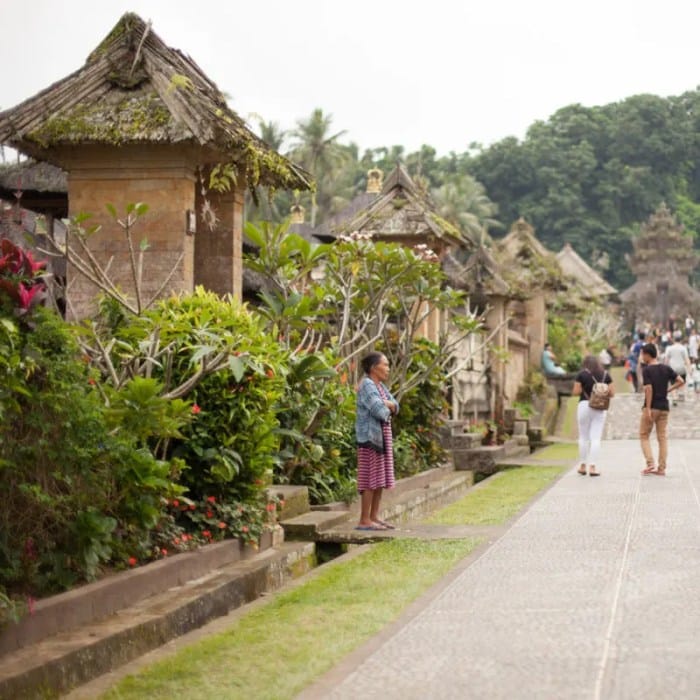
{"points": [[466, 441], [308, 525], [59, 663], [84, 605], [480, 460], [296, 500]]}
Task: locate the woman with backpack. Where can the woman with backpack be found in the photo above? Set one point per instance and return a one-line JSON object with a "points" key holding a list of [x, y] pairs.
{"points": [[593, 385]]}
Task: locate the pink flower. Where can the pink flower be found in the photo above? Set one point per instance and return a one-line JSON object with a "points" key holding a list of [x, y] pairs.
{"points": [[244, 528], [27, 294], [196, 409], [176, 503], [211, 499], [222, 525], [206, 533]]}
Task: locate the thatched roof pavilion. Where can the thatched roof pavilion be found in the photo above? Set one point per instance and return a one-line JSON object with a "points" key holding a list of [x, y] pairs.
{"points": [[141, 122], [591, 284], [399, 213], [133, 89]]}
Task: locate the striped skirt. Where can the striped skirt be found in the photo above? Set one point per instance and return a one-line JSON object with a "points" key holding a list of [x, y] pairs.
{"points": [[375, 470]]}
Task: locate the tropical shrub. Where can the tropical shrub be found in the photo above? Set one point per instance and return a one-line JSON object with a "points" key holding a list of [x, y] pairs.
{"points": [[316, 415], [231, 445], [75, 492], [78, 490], [422, 413]]}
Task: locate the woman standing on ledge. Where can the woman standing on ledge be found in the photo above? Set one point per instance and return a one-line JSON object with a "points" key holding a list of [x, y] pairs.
{"points": [[375, 451], [591, 421]]}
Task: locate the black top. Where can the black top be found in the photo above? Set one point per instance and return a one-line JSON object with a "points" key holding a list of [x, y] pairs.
{"points": [[587, 380], [659, 376]]}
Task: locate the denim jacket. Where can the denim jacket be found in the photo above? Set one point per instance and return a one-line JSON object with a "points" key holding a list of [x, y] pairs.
{"points": [[372, 414]]}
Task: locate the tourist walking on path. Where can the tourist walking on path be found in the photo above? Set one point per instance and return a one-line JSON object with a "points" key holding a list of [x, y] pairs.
{"points": [[375, 452], [656, 380], [591, 421], [633, 358], [676, 357], [693, 345]]}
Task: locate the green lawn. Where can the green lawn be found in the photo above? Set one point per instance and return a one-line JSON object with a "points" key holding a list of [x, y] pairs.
{"points": [[277, 649], [558, 452], [499, 499]]}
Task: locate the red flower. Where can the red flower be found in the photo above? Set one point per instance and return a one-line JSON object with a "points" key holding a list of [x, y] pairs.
{"points": [[193, 506], [222, 525], [211, 499], [196, 409], [133, 561], [270, 507], [176, 503], [244, 528], [164, 552], [270, 373], [176, 541], [91, 382], [206, 533], [210, 514]]}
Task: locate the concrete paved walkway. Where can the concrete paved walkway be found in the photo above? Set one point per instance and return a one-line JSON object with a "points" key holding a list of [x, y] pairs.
{"points": [[593, 593]]}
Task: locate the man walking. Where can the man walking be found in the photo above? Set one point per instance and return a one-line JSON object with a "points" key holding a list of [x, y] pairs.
{"points": [[656, 379], [676, 357]]}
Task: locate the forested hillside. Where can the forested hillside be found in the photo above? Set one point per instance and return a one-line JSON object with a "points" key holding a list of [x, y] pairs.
{"points": [[588, 175]]}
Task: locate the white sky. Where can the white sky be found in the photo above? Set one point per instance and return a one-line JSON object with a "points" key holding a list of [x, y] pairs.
{"points": [[441, 72]]}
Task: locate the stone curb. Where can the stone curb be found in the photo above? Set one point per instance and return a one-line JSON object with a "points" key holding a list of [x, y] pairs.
{"points": [[69, 659]]}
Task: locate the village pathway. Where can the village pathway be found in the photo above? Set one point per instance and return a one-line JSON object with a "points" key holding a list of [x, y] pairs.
{"points": [[594, 592]]}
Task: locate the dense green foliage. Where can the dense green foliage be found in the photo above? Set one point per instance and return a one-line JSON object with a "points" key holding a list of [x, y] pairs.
{"points": [[76, 493], [587, 175]]}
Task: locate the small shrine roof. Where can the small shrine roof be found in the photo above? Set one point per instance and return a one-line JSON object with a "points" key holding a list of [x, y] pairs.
{"points": [[588, 280]]}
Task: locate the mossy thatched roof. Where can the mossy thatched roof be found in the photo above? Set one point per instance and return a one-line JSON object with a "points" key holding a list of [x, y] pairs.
{"points": [[401, 209], [133, 89]]}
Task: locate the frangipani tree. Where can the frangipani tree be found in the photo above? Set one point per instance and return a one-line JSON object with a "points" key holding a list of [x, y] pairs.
{"points": [[367, 294]]}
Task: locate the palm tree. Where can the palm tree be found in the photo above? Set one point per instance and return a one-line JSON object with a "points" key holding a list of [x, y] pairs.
{"points": [[463, 200], [317, 150], [272, 134], [266, 205]]}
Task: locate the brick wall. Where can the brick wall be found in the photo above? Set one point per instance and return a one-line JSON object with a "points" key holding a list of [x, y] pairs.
{"points": [[164, 178]]}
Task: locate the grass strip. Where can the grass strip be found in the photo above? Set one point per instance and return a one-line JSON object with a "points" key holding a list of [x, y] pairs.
{"points": [[499, 499], [569, 426], [277, 650], [558, 452]]}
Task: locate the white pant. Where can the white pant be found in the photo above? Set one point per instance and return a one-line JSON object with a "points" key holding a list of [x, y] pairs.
{"points": [[590, 431]]}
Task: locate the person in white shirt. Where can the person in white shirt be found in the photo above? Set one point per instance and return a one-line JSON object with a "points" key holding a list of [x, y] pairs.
{"points": [[693, 346], [676, 357]]}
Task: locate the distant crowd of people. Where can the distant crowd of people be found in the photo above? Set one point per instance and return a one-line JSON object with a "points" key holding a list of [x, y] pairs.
{"points": [[676, 346], [661, 360]]}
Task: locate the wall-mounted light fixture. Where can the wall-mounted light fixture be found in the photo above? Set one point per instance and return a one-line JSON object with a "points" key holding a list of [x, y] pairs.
{"points": [[190, 222]]}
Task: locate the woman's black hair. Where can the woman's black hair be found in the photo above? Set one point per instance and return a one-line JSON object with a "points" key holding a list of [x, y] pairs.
{"points": [[370, 360], [592, 364]]}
